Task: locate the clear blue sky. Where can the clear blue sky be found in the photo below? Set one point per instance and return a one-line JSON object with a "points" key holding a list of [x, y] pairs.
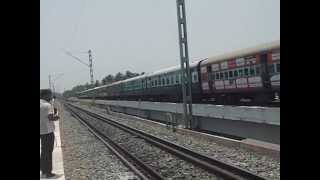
{"points": [[142, 35]]}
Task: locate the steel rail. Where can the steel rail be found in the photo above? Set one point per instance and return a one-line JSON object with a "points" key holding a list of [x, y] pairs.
{"points": [[225, 170], [121, 153]]}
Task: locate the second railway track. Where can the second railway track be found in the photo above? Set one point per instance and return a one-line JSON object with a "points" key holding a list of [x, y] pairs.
{"points": [[208, 167]]}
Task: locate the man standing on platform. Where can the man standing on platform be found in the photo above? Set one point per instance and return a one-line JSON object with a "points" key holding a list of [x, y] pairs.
{"points": [[47, 118]]}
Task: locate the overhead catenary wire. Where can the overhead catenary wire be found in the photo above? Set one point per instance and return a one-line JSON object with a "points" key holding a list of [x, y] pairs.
{"points": [[88, 65], [76, 25], [76, 58]]}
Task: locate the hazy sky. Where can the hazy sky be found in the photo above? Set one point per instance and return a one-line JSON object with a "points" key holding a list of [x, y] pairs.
{"points": [[142, 35]]}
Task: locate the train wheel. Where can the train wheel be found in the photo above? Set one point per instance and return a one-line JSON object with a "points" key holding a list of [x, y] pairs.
{"points": [[235, 100], [260, 100], [220, 100]]}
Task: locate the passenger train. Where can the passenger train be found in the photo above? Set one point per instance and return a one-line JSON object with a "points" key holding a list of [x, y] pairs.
{"points": [[250, 76]]}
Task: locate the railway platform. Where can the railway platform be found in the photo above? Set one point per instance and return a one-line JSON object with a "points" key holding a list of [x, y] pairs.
{"points": [[249, 122], [57, 159]]}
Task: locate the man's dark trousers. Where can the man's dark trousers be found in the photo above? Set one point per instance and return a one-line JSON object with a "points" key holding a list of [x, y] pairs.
{"points": [[47, 143]]}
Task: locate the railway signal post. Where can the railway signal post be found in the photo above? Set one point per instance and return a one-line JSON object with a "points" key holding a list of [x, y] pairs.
{"points": [[185, 69]]}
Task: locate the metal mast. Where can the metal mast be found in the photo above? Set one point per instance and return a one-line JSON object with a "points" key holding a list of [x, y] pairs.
{"points": [[90, 66], [49, 81], [185, 69]]}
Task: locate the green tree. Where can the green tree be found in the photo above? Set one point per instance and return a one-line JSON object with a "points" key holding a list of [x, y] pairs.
{"points": [[108, 79], [87, 86], [129, 74], [119, 76], [97, 83]]}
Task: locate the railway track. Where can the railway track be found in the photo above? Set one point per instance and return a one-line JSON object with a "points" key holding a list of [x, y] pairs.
{"points": [[222, 169], [142, 170]]}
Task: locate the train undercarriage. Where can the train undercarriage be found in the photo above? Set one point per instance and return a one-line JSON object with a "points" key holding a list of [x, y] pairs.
{"points": [[253, 99]]}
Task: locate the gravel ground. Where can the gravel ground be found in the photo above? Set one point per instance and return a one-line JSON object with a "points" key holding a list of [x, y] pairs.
{"points": [[169, 166], [84, 157], [249, 160]]}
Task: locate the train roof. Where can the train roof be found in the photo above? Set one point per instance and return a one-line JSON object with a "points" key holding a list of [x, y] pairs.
{"points": [[239, 53], [172, 69], [114, 83], [243, 52], [158, 72], [87, 90], [134, 78]]}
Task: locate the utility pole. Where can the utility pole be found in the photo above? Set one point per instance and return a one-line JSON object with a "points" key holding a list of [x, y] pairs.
{"points": [[50, 84], [49, 81], [90, 66], [53, 89], [52, 80], [185, 69]]}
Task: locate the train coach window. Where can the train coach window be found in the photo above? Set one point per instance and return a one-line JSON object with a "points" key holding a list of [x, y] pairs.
{"points": [[168, 82], [195, 77], [246, 71], [172, 80], [163, 81], [235, 73], [225, 75], [278, 67], [240, 72], [221, 75], [271, 68], [230, 74], [252, 71], [217, 76]]}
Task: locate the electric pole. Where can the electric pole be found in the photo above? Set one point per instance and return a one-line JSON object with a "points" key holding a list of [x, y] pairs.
{"points": [[185, 69], [52, 80], [90, 66], [49, 81]]}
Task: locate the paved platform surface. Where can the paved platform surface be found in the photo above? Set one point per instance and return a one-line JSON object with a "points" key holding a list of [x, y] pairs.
{"points": [[57, 160]]}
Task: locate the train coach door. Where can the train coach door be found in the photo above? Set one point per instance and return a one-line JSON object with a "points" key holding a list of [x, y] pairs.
{"points": [[204, 79], [264, 71], [210, 79]]}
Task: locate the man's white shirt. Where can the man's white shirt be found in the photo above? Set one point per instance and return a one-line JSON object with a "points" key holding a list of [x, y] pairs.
{"points": [[46, 126]]}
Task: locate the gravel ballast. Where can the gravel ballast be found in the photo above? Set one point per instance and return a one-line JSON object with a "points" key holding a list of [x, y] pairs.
{"points": [[85, 157], [169, 166], [246, 159]]}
